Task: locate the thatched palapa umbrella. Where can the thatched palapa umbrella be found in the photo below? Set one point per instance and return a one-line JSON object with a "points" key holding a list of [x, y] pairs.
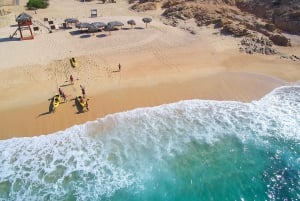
{"points": [[23, 17], [82, 25], [111, 25], [92, 28], [99, 25], [71, 20], [114, 24], [131, 23], [147, 20]]}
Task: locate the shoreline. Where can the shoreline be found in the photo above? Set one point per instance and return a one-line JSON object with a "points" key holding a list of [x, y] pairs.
{"points": [[161, 64], [35, 120]]}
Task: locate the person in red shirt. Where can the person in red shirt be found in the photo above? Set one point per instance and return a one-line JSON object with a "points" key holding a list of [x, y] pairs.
{"points": [[71, 79]]}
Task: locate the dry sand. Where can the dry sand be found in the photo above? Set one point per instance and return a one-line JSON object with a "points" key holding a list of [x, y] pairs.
{"points": [[160, 64]]}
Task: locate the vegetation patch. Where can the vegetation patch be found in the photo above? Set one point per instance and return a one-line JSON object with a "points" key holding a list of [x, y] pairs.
{"points": [[34, 4]]}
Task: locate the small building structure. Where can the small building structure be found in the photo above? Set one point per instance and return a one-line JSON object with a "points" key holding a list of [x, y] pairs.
{"points": [[94, 13]]}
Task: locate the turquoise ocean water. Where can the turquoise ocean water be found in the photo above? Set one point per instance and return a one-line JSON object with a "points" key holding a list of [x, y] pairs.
{"points": [[189, 150]]}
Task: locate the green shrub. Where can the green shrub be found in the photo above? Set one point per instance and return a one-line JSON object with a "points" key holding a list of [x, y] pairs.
{"points": [[37, 4]]}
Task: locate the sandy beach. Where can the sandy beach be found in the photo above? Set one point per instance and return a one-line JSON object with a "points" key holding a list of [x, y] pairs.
{"points": [[160, 64]]}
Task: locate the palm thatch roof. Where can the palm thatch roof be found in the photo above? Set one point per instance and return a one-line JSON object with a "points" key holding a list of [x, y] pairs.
{"points": [[82, 25], [23, 17], [71, 20], [147, 20], [92, 28], [115, 24], [131, 22], [98, 24]]}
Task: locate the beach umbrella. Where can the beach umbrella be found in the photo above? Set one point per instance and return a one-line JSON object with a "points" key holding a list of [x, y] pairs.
{"points": [[114, 24], [82, 25], [147, 20], [111, 25], [71, 20], [131, 23], [99, 24], [92, 28]]}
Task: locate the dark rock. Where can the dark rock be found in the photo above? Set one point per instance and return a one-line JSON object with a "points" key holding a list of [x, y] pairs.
{"points": [[255, 44], [171, 3], [141, 7], [270, 27], [235, 30], [280, 40], [284, 14], [288, 22], [220, 22]]}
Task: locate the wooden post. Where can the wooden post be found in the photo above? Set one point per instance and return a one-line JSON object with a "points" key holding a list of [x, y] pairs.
{"points": [[21, 35]]}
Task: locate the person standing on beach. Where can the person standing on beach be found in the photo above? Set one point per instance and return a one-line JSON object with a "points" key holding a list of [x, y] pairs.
{"points": [[82, 91], [60, 91], [71, 79], [87, 104], [119, 67], [63, 95]]}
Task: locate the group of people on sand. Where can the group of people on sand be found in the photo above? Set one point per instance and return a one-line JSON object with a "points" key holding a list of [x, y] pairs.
{"points": [[62, 94], [82, 99]]}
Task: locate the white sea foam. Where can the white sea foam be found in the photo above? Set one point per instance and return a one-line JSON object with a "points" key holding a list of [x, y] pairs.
{"points": [[98, 158]]}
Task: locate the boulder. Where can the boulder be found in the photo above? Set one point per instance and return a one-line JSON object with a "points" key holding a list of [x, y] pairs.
{"points": [[289, 22], [284, 14], [141, 7], [270, 27], [280, 40], [255, 44], [171, 3], [235, 30]]}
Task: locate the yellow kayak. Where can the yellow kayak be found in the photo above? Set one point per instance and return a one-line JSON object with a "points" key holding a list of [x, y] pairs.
{"points": [[81, 101], [73, 61], [56, 101]]}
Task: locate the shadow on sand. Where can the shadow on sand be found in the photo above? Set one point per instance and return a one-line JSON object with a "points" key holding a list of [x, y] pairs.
{"points": [[8, 39], [126, 29], [85, 36], [78, 106], [68, 83], [50, 108], [77, 32], [101, 35]]}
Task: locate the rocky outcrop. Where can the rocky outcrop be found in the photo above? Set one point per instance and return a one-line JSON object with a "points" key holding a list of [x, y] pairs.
{"points": [[141, 7], [280, 40], [291, 57], [236, 17], [180, 12], [235, 29], [284, 14], [256, 44], [289, 22]]}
